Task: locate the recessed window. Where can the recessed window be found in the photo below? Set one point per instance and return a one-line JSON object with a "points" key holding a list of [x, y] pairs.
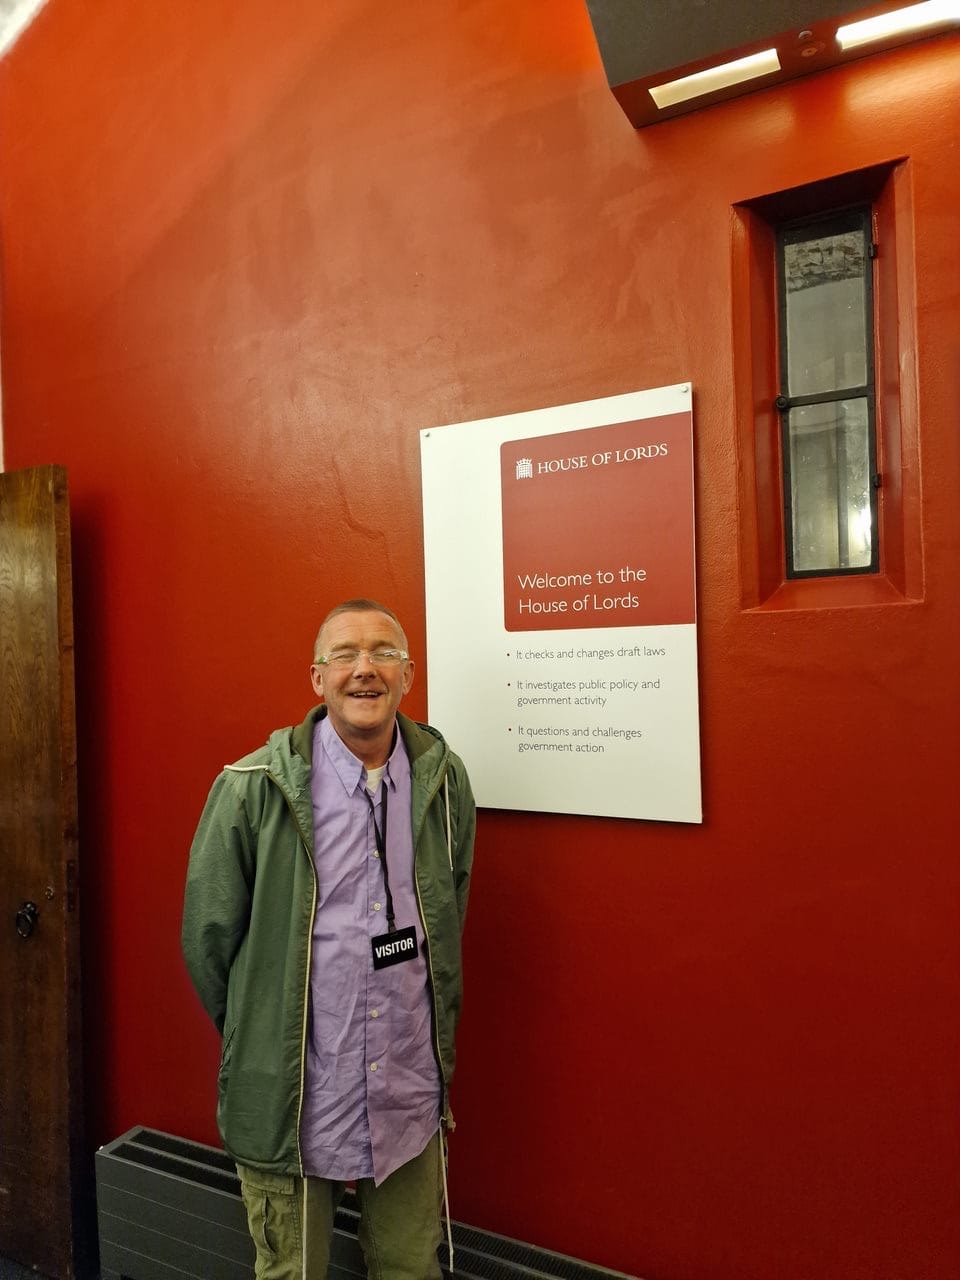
{"points": [[826, 399], [824, 346]]}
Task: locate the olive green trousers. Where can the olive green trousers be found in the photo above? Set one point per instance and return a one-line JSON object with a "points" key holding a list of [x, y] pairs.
{"points": [[399, 1221]]}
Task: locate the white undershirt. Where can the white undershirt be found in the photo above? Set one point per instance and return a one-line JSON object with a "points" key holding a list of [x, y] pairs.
{"points": [[373, 779]]}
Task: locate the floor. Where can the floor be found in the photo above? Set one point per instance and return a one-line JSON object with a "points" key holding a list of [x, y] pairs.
{"points": [[13, 1271]]}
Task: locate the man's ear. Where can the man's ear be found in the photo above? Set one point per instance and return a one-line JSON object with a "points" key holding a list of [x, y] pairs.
{"points": [[408, 676], [316, 679]]}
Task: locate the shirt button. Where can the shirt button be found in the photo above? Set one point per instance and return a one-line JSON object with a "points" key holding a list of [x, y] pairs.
{"points": [[374, 1013], [376, 906], [374, 853], [373, 1066]]}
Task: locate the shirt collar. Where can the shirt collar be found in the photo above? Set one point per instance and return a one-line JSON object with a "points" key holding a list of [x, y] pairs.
{"points": [[349, 769]]}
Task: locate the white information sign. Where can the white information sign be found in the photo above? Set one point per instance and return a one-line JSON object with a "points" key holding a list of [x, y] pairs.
{"points": [[561, 605]]}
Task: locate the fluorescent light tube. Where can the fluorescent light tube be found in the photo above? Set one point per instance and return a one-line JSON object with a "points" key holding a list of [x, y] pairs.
{"points": [[714, 78], [916, 17]]}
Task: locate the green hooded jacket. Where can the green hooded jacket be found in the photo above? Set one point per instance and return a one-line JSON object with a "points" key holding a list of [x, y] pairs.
{"points": [[250, 900]]}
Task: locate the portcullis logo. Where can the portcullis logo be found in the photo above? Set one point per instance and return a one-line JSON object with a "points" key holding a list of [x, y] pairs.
{"points": [[524, 468]]}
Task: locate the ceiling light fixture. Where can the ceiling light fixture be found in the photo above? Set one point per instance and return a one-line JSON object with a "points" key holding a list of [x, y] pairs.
{"points": [[714, 78], [916, 17]]}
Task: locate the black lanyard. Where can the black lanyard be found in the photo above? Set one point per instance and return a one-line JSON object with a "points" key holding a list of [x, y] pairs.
{"points": [[380, 836]]}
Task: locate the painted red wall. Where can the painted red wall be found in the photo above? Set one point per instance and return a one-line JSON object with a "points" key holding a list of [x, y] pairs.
{"points": [[247, 253]]}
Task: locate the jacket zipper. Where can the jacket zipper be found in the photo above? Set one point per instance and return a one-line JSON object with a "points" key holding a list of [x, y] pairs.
{"points": [[306, 992]]}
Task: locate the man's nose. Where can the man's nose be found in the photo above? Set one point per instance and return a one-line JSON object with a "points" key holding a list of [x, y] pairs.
{"points": [[363, 664]]}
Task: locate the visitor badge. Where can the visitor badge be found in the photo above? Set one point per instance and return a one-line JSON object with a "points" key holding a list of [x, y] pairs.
{"points": [[394, 948]]}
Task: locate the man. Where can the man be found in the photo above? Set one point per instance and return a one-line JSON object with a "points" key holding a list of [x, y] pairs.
{"points": [[324, 906]]}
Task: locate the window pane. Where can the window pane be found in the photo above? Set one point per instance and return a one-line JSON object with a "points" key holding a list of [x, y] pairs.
{"points": [[826, 312], [830, 480]]}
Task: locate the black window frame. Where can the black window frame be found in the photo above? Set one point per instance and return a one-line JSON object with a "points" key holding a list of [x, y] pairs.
{"points": [[836, 221]]}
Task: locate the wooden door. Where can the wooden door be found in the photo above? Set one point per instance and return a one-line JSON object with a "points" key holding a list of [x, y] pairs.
{"points": [[41, 1154]]}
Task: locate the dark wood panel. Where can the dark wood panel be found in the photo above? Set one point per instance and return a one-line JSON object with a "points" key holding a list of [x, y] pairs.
{"points": [[40, 1080]]}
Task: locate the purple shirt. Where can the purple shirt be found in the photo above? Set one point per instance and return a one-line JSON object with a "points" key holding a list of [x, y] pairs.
{"points": [[372, 1096]]}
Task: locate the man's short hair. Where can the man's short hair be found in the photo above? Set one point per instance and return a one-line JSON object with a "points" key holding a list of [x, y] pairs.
{"points": [[360, 605]]}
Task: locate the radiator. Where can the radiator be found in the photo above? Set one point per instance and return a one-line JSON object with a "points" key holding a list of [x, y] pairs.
{"points": [[169, 1209]]}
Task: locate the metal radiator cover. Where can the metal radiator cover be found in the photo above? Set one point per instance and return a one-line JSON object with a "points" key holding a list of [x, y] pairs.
{"points": [[169, 1209]]}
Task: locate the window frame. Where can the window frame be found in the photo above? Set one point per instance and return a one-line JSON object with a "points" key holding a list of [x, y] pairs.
{"points": [[888, 187], [855, 217]]}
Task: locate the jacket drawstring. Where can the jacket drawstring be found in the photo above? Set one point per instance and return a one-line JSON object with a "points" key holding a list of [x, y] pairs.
{"points": [[446, 1194], [446, 805], [443, 1142], [303, 1245]]}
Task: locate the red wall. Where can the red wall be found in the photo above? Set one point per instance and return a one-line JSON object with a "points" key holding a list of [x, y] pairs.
{"points": [[248, 252]]}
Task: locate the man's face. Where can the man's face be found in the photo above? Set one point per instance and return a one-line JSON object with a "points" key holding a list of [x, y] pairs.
{"points": [[361, 698]]}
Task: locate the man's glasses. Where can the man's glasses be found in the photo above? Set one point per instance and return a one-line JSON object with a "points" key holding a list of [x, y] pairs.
{"points": [[344, 658]]}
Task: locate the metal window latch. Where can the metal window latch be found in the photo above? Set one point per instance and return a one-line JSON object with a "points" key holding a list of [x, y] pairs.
{"points": [[781, 403]]}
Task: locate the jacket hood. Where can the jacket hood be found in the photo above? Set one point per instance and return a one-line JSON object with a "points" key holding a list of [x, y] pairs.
{"points": [[426, 747]]}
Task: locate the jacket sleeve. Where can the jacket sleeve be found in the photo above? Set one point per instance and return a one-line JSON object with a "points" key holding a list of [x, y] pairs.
{"points": [[216, 910], [464, 816]]}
